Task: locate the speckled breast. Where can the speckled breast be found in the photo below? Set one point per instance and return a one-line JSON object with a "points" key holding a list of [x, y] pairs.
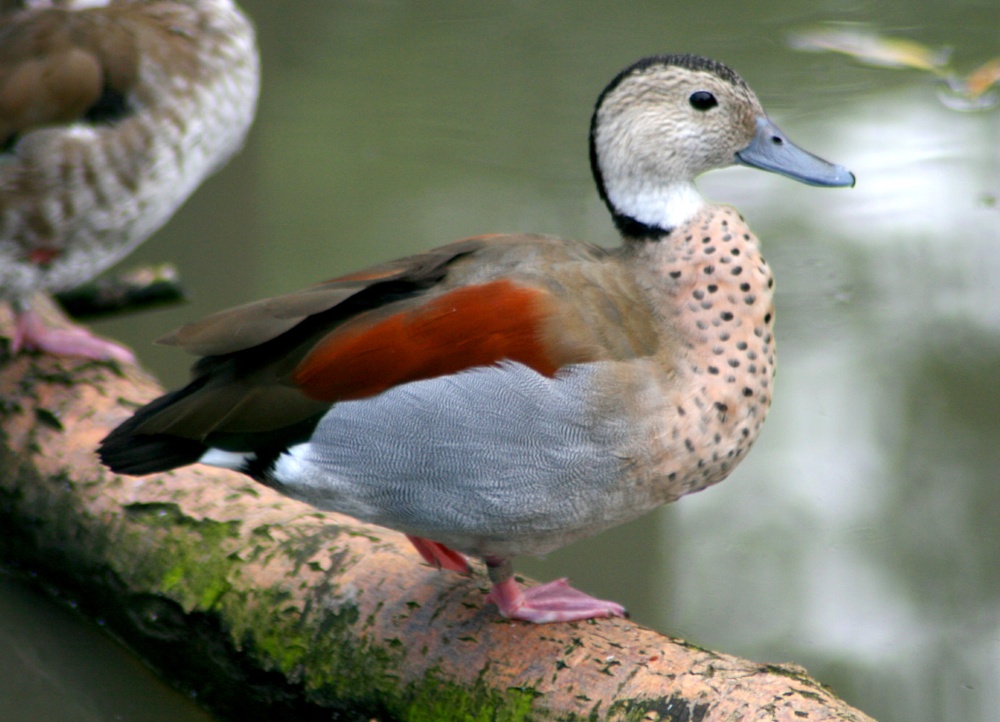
{"points": [[720, 299]]}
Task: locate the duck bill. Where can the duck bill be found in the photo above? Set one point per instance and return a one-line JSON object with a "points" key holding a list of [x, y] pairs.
{"points": [[771, 150]]}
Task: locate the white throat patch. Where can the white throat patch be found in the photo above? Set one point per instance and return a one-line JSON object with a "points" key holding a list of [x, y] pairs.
{"points": [[659, 206]]}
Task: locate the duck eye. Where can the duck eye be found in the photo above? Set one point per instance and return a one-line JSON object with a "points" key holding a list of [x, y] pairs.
{"points": [[702, 100]]}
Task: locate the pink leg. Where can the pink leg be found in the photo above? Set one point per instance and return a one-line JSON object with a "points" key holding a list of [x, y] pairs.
{"points": [[439, 556], [553, 602], [32, 333]]}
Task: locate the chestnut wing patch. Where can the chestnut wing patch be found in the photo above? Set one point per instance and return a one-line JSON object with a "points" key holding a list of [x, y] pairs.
{"points": [[472, 326]]}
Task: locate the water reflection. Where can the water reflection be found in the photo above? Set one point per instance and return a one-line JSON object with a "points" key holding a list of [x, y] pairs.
{"points": [[860, 538], [55, 668]]}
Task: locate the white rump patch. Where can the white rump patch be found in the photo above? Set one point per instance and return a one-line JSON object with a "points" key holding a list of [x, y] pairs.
{"points": [[235, 460], [290, 466]]}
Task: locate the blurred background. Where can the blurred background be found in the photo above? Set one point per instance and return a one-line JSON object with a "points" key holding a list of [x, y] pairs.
{"points": [[861, 538]]}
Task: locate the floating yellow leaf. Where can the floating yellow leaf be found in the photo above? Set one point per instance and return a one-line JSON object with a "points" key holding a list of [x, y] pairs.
{"points": [[983, 78], [874, 49]]}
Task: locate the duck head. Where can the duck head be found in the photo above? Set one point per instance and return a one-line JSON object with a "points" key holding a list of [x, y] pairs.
{"points": [[667, 119]]}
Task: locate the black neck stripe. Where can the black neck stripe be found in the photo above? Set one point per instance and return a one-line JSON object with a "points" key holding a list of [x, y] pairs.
{"points": [[631, 228]]}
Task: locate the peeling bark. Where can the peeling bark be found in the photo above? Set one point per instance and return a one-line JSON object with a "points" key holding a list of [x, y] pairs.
{"points": [[267, 608]]}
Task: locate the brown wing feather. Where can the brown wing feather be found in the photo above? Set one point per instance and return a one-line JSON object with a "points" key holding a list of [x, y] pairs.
{"points": [[475, 325], [275, 365], [243, 382], [253, 324]]}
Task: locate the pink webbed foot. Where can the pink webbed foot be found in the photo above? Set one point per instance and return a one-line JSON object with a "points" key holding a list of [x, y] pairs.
{"points": [[552, 602], [439, 556], [32, 333]]}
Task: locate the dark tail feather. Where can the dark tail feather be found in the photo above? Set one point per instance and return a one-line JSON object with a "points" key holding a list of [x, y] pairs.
{"points": [[141, 455], [126, 452]]}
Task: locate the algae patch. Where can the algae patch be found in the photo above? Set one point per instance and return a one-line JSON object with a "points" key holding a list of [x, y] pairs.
{"points": [[184, 558], [433, 699]]}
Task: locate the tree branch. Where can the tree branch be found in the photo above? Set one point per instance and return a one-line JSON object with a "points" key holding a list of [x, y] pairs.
{"points": [[267, 608]]}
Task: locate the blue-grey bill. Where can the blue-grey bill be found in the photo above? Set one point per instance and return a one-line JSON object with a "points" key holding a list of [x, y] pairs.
{"points": [[771, 150]]}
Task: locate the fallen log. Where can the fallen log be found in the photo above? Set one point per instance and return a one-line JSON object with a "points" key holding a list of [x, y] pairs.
{"points": [[266, 608]]}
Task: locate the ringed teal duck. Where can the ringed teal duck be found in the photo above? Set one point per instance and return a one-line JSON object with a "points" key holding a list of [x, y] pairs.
{"points": [[509, 394], [112, 112]]}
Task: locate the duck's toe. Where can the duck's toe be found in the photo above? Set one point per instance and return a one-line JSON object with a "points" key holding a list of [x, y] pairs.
{"points": [[33, 333], [555, 601]]}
